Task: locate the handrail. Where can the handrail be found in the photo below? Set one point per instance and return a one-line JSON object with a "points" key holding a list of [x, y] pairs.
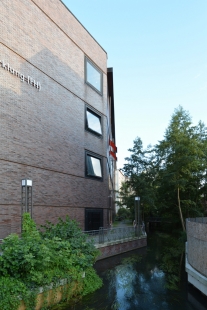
{"points": [[107, 235]]}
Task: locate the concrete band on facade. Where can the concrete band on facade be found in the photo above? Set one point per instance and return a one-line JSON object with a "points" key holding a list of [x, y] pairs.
{"points": [[43, 135]]}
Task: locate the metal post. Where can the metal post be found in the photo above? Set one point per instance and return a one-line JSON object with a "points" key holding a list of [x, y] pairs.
{"points": [[135, 210], [136, 207], [101, 235], [26, 197], [139, 216]]}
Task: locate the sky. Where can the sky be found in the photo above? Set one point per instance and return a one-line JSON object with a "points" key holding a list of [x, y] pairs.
{"points": [[158, 51]]}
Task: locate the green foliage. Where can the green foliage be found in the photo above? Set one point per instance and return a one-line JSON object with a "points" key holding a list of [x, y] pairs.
{"points": [[69, 230], [172, 258], [63, 229], [171, 177], [182, 166], [139, 168], [11, 290], [29, 227], [123, 213], [92, 282], [35, 261], [41, 258], [131, 259]]}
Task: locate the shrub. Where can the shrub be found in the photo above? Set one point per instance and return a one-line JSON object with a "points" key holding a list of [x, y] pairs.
{"points": [[41, 258], [11, 291]]}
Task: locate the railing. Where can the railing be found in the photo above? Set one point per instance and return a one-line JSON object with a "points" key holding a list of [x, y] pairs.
{"points": [[107, 235], [104, 235]]}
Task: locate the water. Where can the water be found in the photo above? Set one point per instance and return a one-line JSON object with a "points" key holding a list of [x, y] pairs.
{"points": [[134, 280]]}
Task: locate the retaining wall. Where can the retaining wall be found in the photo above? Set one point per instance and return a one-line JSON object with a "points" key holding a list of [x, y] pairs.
{"points": [[118, 247]]}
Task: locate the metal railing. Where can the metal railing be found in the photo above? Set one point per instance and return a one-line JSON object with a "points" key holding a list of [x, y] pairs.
{"points": [[107, 235]]}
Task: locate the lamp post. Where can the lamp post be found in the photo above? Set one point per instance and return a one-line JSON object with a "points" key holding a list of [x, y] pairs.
{"points": [[137, 213], [111, 206], [26, 196], [110, 209]]}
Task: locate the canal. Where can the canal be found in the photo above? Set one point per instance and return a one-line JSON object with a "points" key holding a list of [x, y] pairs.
{"points": [[135, 280]]}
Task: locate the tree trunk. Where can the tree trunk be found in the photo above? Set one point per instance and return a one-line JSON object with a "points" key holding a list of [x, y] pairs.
{"points": [[181, 215]]}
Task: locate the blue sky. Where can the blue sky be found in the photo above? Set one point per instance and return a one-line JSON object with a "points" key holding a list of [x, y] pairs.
{"points": [[158, 51]]}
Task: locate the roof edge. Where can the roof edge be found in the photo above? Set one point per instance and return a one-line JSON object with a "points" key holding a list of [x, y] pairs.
{"points": [[83, 26]]}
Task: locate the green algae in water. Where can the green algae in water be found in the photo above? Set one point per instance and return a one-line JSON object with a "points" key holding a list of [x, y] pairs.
{"points": [[131, 260]]}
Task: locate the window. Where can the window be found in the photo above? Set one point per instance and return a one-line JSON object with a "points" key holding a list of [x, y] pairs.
{"points": [[93, 122], [93, 76], [93, 166], [93, 219]]}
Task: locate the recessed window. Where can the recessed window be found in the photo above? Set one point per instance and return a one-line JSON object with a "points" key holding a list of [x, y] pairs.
{"points": [[93, 166], [93, 122], [93, 219], [93, 76]]}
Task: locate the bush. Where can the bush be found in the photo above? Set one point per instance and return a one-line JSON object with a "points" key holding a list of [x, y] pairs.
{"points": [[41, 258], [123, 213], [11, 291], [69, 230]]}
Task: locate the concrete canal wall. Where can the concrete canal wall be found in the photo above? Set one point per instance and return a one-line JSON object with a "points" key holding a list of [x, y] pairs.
{"points": [[196, 253]]}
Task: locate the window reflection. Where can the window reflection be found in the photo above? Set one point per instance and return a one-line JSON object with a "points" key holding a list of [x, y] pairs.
{"points": [[93, 76], [93, 166], [93, 122]]}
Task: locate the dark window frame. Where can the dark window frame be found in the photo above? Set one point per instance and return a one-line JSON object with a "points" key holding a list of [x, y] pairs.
{"points": [[100, 135], [94, 155], [100, 92], [89, 213]]}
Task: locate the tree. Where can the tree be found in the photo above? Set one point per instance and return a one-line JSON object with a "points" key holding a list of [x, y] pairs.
{"points": [[171, 177], [182, 163], [139, 170], [123, 213]]}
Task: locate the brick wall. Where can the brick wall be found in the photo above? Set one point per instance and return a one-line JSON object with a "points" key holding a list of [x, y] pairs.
{"points": [[121, 247], [42, 133]]}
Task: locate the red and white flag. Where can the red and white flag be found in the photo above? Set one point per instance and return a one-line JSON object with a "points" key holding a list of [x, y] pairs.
{"points": [[113, 149]]}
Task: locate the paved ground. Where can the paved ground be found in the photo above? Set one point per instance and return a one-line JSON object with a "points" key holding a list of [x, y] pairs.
{"points": [[125, 223]]}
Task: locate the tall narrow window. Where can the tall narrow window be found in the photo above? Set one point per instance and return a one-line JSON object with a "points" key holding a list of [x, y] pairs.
{"points": [[93, 166], [93, 122], [93, 76]]}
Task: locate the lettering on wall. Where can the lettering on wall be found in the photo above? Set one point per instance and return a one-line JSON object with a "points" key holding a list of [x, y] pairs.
{"points": [[28, 79]]}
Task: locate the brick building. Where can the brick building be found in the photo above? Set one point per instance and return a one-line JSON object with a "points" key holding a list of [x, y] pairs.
{"points": [[57, 117]]}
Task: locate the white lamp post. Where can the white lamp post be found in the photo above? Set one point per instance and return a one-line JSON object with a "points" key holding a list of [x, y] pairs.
{"points": [[26, 196], [137, 212]]}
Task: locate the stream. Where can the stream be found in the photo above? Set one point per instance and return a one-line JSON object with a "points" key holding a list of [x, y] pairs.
{"points": [[134, 280]]}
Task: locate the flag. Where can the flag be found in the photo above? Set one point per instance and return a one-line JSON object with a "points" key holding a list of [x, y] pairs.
{"points": [[113, 149]]}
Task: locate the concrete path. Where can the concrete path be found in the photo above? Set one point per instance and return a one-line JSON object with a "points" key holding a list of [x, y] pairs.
{"points": [[126, 223]]}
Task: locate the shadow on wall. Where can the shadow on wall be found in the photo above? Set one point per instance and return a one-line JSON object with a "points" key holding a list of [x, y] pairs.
{"points": [[42, 138]]}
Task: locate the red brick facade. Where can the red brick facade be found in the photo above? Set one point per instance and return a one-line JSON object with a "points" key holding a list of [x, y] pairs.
{"points": [[42, 128]]}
